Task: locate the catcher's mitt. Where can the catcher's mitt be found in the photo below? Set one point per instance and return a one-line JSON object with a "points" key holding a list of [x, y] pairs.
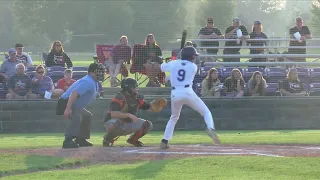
{"points": [[158, 104]]}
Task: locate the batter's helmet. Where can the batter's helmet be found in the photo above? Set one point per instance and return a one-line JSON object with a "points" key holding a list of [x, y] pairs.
{"points": [[188, 52]]}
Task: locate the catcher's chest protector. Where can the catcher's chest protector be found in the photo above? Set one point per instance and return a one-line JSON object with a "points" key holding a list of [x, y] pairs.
{"points": [[130, 105]]}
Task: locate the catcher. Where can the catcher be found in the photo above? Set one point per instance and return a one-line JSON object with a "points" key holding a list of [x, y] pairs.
{"points": [[121, 118]]}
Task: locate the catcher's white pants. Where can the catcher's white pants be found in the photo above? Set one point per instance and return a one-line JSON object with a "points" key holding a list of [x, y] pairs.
{"points": [[186, 96]]}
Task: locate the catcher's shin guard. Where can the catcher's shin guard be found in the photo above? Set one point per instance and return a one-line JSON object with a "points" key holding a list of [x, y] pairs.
{"points": [[110, 137], [134, 138]]}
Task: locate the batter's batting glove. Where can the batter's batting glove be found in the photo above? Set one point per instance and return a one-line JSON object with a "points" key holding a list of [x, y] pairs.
{"points": [[158, 104]]}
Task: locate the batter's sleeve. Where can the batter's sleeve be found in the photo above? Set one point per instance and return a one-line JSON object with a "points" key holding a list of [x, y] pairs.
{"points": [[165, 67]]}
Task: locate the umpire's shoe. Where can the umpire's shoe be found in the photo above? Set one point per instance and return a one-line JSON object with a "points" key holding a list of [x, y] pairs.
{"points": [[83, 142], [69, 144]]}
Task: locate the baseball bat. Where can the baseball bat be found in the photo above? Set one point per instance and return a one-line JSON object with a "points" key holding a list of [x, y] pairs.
{"points": [[183, 39]]}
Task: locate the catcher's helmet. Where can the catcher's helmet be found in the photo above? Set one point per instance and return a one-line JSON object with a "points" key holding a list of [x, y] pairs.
{"points": [[98, 69], [129, 85]]}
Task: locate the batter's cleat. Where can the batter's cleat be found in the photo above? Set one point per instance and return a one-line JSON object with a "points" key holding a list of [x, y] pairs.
{"points": [[213, 136], [164, 144], [69, 144], [136, 144], [83, 142]]}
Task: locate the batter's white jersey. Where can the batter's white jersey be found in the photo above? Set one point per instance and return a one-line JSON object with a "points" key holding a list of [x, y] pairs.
{"points": [[182, 72]]}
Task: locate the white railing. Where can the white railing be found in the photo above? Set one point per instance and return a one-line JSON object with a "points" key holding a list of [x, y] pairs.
{"points": [[261, 63], [269, 39], [258, 47]]}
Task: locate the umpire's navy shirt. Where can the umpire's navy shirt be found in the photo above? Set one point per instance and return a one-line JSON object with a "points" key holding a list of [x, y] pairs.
{"points": [[86, 87]]}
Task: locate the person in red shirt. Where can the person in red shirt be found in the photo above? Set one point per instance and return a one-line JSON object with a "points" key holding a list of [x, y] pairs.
{"points": [[67, 81]]}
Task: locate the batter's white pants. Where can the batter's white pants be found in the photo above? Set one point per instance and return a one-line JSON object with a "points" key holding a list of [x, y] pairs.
{"points": [[186, 96]]}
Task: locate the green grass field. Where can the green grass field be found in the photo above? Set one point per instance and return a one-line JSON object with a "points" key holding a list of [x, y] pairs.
{"points": [[33, 166]]}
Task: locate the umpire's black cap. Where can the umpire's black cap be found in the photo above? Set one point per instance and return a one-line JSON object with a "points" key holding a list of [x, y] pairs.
{"points": [[188, 52]]}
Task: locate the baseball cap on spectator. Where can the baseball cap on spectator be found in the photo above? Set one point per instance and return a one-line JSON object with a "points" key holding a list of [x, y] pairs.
{"points": [[19, 46], [257, 22], [188, 52], [12, 50], [210, 20], [236, 19]]}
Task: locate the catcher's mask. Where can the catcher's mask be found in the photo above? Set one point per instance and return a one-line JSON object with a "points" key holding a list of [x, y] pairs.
{"points": [[130, 85], [98, 69]]}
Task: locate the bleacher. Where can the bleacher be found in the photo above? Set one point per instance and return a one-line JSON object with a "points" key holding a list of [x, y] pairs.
{"points": [[274, 69]]}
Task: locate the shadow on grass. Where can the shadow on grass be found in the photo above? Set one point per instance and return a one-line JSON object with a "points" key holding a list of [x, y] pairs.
{"points": [[20, 164], [148, 170]]}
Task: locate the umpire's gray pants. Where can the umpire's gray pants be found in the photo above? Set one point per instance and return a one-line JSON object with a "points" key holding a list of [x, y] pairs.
{"points": [[121, 128], [79, 124]]}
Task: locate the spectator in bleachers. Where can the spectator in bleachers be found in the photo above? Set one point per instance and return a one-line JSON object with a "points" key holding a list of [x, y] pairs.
{"points": [[67, 81], [210, 32], [292, 86], [153, 59], [257, 85], [305, 34], [257, 33], [211, 84], [232, 32], [120, 54], [23, 57], [8, 67], [42, 83], [234, 85], [57, 56], [19, 85]]}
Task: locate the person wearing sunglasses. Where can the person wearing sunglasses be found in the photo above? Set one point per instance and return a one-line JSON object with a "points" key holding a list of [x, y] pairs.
{"points": [[57, 56]]}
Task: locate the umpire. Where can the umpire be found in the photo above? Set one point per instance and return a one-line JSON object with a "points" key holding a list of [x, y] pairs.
{"points": [[72, 106]]}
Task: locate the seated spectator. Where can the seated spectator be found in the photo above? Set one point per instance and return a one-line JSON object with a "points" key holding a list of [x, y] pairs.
{"points": [[120, 53], [57, 56], [42, 83], [8, 67], [211, 84], [152, 59], [257, 85], [292, 86], [19, 85], [234, 85], [23, 57], [257, 34], [67, 81]]}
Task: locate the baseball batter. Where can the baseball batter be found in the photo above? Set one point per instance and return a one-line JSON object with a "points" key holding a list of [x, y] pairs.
{"points": [[182, 73]]}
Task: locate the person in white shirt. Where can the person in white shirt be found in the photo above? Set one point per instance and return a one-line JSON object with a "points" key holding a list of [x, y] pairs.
{"points": [[182, 73], [23, 57]]}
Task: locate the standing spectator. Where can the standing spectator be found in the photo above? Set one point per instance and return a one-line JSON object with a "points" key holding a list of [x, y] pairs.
{"points": [[153, 59], [257, 85], [304, 33], [23, 57], [210, 85], [234, 85], [67, 81], [8, 67], [292, 86], [19, 85], [231, 33], [57, 56], [257, 34], [210, 32], [120, 53], [42, 83]]}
